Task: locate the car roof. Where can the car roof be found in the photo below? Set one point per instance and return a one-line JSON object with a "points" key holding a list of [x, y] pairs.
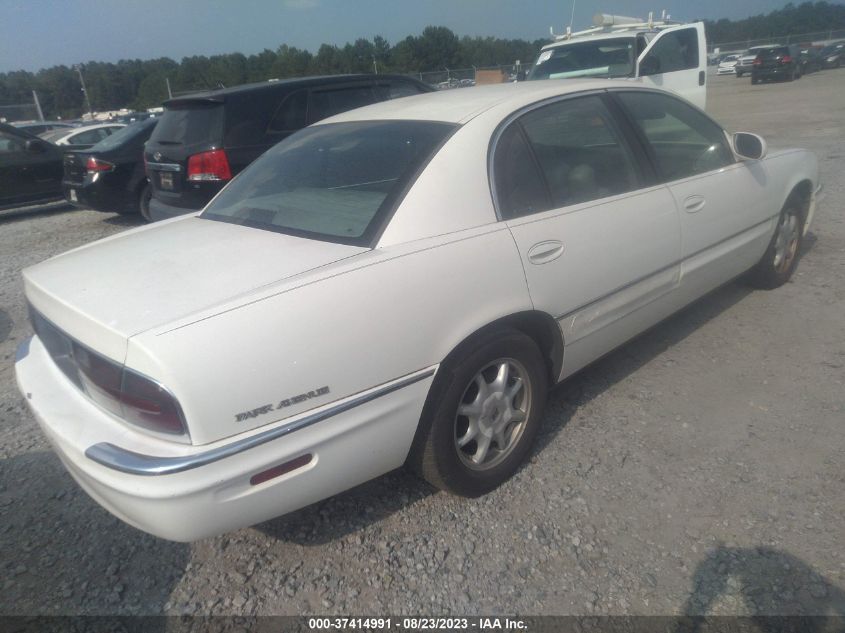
{"points": [[462, 104], [220, 94], [615, 35]]}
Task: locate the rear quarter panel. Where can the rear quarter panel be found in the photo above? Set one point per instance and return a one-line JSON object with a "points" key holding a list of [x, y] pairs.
{"points": [[358, 324]]}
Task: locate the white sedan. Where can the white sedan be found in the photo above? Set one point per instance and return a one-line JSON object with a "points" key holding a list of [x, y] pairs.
{"points": [[82, 137], [728, 65], [400, 284]]}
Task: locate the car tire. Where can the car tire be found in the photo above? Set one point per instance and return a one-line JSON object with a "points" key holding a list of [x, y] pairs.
{"points": [[738, 75], [781, 257], [144, 202], [484, 410], [754, 80]]}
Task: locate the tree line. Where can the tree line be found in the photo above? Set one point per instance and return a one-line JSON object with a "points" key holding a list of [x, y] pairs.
{"points": [[140, 84]]}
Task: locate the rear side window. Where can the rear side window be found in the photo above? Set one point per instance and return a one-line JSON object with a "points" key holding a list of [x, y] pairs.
{"points": [[248, 117], [326, 103], [189, 123], [10, 144], [330, 182], [519, 188], [292, 113], [685, 142], [89, 137], [675, 50]]}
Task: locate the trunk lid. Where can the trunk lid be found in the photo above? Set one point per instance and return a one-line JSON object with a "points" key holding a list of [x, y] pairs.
{"points": [[105, 292]]}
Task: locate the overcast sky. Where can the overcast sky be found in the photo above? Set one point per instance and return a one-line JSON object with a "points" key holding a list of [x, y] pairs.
{"points": [[40, 33]]}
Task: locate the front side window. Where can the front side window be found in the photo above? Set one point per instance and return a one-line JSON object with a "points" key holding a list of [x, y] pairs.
{"points": [[674, 50], [330, 182], [613, 57], [684, 141]]}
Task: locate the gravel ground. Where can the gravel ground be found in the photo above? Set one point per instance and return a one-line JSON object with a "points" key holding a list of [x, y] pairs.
{"points": [[699, 469]]}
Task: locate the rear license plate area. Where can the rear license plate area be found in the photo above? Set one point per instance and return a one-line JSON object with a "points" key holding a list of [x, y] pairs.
{"points": [[165, 180]]}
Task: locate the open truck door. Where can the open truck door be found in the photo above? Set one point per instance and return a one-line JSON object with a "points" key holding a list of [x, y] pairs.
{"points": [[676, 59]]}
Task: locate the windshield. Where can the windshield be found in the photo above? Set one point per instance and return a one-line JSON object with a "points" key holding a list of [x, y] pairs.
{"points": [[125, 134], [332, 182], [596, 58]]}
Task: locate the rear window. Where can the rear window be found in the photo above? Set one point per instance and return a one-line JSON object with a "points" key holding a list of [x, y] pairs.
{"points": [[331, 182], [133, 132], [774, 52], [191, 122]]}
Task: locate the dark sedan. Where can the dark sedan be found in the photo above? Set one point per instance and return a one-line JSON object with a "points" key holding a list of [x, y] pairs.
{"points": [[30, 169], [833, 55], [110, 175]]}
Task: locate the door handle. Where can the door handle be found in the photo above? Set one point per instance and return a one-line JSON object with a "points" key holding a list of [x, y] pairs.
{"points": [[694, 204], [545, 252]]}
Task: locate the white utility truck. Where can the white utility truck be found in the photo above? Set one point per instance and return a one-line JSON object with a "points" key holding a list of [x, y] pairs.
{"points": [[663, 53]]}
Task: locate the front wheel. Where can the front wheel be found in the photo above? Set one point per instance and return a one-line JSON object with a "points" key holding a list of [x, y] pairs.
{"points": [[487, 410], [754, 79], [781, 257]]}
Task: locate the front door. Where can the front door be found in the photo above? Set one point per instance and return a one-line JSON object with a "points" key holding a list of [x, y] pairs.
{"points": [[597, 245]]}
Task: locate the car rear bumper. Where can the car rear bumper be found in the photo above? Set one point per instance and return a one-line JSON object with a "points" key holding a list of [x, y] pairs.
{"points": [[97, 197], [765, 73], [368, 435]]}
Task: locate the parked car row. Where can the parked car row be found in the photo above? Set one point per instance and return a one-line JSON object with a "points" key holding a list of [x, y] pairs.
{"points": [[776, 61]]}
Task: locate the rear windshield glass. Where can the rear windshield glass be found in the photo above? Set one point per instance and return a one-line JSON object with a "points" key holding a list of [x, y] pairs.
{"points": [[774, 52], [331, 182], [190, 122], [597, 58], [137, 132]]}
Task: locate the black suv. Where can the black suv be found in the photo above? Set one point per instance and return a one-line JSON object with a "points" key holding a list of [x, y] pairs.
{"points": [[204, 139], [780, 62]]}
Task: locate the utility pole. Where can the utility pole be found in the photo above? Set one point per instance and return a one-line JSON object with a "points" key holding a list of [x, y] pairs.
{"points": [[375, 66], [169, 94], [37, 106], [78, 69]]}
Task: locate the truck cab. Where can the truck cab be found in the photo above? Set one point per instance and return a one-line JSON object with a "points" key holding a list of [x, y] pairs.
{"points": [[669, 55]]}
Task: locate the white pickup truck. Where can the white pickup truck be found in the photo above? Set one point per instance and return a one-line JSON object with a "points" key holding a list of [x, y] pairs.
{"points": [[666, 54]]}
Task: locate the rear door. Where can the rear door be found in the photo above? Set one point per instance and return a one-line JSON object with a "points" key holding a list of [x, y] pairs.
{"points": [[28, 175], [598, 241], [676, 60]]}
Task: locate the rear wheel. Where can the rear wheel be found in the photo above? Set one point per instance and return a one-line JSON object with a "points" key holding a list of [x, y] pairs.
{"points": [[485, 414], [144, 202], [781, 257]]}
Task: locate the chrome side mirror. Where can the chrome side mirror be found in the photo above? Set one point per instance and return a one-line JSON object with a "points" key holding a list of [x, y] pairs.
{"points": [[749, 146]]}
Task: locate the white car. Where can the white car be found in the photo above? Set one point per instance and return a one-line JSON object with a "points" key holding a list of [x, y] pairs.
{"points": [[728, 65], [82, 136], [399, 284]]}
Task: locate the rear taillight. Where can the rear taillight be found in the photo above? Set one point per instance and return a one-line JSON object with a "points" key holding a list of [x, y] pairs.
{"points": [[211, 165], [95, 165], [135, 398], [786, 59], [757, 61], [148, 404]]}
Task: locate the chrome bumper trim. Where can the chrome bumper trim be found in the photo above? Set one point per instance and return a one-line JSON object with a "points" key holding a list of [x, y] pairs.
{"points": [[126, 461]]}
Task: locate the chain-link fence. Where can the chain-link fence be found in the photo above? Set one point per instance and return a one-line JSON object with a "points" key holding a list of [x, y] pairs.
{"points": [[819, 37]]}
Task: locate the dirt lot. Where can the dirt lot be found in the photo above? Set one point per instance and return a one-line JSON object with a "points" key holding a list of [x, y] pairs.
{"points": [[699, 469]]}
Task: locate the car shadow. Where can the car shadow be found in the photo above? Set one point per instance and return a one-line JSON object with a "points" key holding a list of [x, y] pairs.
{"points": [[125, 219], [769, 583], [577, 391], [350, 511], [6, 325], [24, 213], [63, 555]]}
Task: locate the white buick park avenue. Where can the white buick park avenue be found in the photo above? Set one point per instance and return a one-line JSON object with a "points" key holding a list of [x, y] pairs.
{"points": [[397, 285]]}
